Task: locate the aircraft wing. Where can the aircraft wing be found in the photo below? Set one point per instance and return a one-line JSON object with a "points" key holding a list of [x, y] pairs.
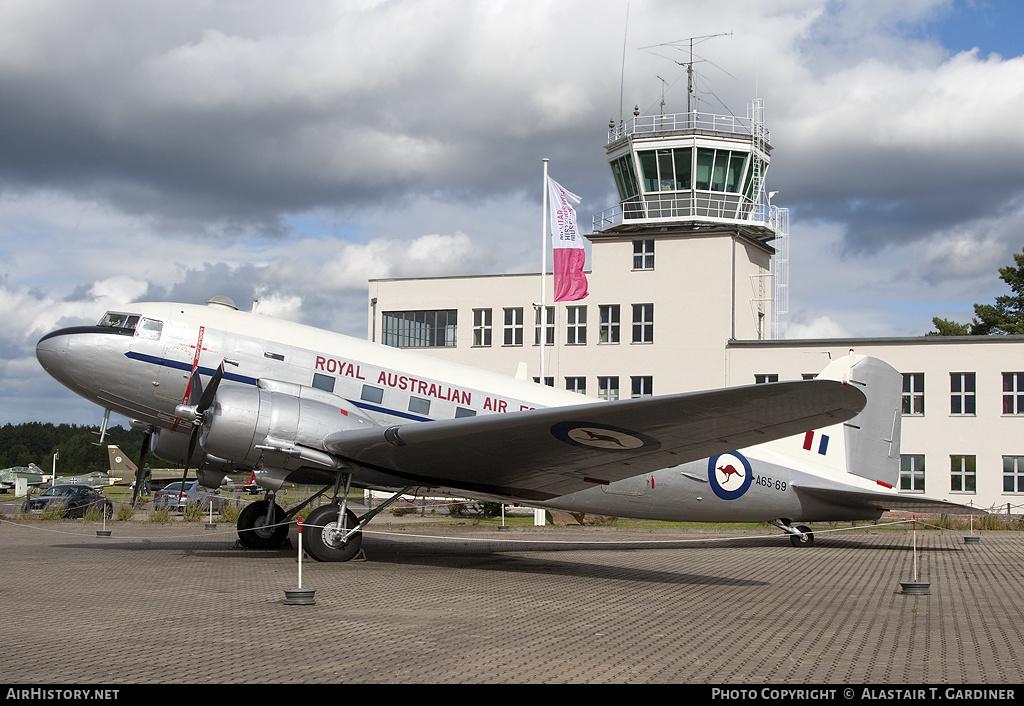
{"points": [[541, 454], [883, 501]]}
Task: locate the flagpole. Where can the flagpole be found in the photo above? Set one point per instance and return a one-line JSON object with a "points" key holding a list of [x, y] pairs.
{"points": [[543, 266]]}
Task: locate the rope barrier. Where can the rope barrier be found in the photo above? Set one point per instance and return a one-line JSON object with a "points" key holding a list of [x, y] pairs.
{"points": [[503, 540]]}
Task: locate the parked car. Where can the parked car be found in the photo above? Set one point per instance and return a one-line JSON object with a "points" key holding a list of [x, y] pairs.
{"points": [[171, 497], [74, 500]]}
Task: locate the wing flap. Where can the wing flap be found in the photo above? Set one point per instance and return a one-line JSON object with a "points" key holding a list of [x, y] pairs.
{"points": [[541, 454]]}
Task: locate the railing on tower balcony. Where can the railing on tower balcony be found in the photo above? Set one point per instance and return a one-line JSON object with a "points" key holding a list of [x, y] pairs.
{"points": [[712, 206], [685, 121]]}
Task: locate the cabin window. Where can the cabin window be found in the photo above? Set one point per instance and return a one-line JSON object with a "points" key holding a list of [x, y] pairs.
{"points": [[372, 394], [113, 319], [418, 405], [149, 329], [323, 382]]}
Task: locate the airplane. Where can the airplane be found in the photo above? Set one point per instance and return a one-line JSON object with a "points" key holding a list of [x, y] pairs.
{"points": [[34, 475], [155, 478], [220, 390], [152, 478], [96, 479]]}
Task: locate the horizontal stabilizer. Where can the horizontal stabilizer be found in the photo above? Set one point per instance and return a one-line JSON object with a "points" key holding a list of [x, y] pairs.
{"points": [[884, 501]]}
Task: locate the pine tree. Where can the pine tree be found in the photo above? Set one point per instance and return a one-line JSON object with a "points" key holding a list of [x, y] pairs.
{"points": [[1004, 317]]}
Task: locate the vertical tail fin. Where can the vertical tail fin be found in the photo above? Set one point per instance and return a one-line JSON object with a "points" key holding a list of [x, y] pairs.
{"points": [[120, 464], [867, 445]]}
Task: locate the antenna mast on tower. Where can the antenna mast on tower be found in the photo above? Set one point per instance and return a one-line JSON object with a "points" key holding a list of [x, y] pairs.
{"points": [[682, 44]]}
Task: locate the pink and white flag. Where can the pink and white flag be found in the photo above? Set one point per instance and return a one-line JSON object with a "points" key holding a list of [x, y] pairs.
{"points": [[569, 256]]}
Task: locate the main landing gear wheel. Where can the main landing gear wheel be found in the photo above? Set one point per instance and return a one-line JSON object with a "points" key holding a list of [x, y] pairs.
{"points": [[256, 533], [323, 539], [805, 539]]}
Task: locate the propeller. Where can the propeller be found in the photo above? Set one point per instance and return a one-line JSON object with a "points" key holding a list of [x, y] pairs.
{"points": [[195, 411], [140, 471]]}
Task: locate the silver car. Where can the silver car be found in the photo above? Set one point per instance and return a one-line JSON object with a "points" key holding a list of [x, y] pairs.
{"points": [[171, 497]]}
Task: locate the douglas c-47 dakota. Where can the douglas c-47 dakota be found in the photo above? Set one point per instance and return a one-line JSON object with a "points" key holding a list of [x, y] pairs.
{"points": [[219, 390]]}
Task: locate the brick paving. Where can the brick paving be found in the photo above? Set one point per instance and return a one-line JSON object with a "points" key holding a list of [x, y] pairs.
{"points": [[176, 603]]}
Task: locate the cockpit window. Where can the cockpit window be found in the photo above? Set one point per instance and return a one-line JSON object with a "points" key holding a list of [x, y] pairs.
{"points": [[149, 329], [113, 319]]}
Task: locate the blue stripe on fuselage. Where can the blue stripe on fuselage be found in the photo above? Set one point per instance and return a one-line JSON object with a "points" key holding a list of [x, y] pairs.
{"points": [[246, 380]]}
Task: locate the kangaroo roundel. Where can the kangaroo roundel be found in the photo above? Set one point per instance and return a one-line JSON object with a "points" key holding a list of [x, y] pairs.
{"points": [[602, 436], [729, 475]]}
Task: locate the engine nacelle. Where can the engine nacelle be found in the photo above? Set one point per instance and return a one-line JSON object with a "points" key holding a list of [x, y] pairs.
{"points": [[282, 423], [172, 446]]}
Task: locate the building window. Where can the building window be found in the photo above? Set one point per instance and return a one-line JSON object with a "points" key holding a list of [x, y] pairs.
{"points": [[963, 474], [481, 327], [549, 327], [421, 329], [913, 394], [608, 388], [643, 323], [643, 386], [548, 381], [609, 332], [643, 254], [578, 384], [1013, 393], [912, 473], [961, 394], [576, 325], [1013, 474], [513, 331], [760, 378]]}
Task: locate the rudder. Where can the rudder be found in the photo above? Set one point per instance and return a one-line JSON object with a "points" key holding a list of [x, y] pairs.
{"points": [[873, 436]]}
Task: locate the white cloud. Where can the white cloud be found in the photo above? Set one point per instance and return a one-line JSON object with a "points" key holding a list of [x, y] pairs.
{"points": [[182, 149]]}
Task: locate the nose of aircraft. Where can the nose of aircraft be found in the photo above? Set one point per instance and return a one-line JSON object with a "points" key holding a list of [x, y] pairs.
{"points": [[51, 352]]}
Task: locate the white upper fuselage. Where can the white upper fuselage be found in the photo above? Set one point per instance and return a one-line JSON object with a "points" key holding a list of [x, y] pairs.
{"points": [[150, 377]]}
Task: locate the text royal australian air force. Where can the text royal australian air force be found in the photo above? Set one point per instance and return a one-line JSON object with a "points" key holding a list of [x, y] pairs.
{"points": [[404, 382]]}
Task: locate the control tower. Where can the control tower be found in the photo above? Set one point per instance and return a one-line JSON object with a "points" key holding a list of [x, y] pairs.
{"points": [[697, 173]]}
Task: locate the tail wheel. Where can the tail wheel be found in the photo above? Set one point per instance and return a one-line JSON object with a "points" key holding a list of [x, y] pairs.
{"points": [[255, 532], [805, 539], [323, 538]]}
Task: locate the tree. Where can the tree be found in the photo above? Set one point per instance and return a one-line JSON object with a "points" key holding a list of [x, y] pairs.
{"points": [[1004, 317]]}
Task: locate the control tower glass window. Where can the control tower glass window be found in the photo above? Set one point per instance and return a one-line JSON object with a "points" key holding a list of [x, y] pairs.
{"points": [[625, 177], [676, 170]]}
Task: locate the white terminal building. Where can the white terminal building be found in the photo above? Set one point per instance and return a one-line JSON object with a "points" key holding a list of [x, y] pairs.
{"points": [[688, 275]]}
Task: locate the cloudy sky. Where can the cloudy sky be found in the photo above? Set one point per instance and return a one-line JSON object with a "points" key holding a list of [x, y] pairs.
{"points": [[289, 151]]}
